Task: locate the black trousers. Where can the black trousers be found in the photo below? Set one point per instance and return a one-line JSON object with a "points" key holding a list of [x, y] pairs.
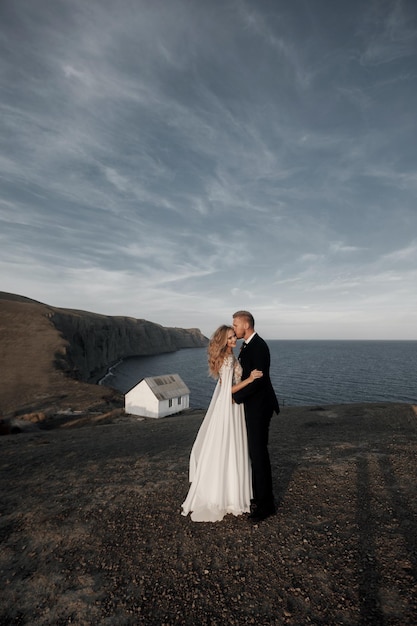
{"points": [[258, 433]]}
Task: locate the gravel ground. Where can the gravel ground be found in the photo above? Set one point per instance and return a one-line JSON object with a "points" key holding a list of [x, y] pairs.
{"points": [[91, 531]]}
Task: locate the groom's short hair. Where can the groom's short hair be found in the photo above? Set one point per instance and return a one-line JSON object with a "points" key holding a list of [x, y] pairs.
{"points": [[247, 316]]}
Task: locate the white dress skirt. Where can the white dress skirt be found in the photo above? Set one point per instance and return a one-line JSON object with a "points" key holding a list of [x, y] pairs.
{"points": [[220, 470]]}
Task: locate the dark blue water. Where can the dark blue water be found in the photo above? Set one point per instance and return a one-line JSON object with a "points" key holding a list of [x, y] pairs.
{"points": [[302, 372]]}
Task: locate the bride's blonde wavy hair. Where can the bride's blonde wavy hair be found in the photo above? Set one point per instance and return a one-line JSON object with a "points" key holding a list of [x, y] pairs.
{"points": [[217, 349]]}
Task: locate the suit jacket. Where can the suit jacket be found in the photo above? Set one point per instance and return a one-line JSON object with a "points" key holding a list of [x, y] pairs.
{"points": [[259, 396]]}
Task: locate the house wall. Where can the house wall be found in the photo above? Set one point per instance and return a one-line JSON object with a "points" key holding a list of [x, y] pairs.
{"points": [[141, 401], [165, 409]]}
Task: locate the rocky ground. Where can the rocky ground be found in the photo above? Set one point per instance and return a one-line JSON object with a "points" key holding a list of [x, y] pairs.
{"points": [[91, 530]]}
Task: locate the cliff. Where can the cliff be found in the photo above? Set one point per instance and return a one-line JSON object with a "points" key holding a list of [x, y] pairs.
{"points": [[96, 341], [49, 354]]}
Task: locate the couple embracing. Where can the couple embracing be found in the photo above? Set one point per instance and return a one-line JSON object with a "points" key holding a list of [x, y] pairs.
{"points": [[230, 470]]}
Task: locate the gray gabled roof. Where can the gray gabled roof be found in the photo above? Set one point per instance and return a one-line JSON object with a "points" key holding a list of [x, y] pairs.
{"points": [[167, 386]]}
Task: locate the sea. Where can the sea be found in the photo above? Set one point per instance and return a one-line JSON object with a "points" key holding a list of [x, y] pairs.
{"points": [[303, 373]]}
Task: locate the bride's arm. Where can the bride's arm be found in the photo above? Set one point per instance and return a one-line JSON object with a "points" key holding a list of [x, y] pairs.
{"points": [[252, 376]]}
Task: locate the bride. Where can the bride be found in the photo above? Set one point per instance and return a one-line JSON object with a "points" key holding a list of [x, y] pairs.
{"points": [[220, 471]]}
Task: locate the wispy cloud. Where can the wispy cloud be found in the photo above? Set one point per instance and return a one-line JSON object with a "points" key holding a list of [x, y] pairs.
{"points": [[180, 161], [389, 33]]}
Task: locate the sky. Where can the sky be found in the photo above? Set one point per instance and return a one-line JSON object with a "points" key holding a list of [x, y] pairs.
{"points": [[178, 160]]}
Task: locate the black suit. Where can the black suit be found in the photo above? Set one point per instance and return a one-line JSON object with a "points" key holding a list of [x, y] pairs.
{"points": [[260, 402]]}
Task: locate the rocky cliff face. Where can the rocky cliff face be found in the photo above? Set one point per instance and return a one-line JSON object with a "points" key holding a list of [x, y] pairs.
{"points": [[48, 355], [94, 342]]}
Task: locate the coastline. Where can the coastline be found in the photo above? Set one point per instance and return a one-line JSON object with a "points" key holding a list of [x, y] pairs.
{"points": [[302, 372], [50, 355], [92, 532], [105, 373]]}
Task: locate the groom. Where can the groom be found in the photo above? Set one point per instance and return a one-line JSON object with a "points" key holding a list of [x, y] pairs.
{"points": [[260, 402]]}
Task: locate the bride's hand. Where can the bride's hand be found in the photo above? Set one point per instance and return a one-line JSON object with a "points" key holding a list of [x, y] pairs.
{"points": [[255, 374]]}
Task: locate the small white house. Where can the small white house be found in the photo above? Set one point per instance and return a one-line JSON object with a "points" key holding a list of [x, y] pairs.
{"points": [[158, 396]]}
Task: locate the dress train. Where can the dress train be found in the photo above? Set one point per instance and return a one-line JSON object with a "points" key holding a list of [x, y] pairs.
{"points": [[220, 471]]}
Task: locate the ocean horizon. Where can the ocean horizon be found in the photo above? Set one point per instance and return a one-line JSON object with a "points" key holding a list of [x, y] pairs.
{"points": [[303, 372]]}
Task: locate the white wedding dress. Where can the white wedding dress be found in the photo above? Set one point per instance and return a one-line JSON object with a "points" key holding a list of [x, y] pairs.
{"points": [[220, 471]]}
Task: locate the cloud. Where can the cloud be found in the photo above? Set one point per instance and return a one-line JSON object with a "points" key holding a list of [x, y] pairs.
{"points": [[409, 253], [185, 160], [339, 246], [393, 36]]}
